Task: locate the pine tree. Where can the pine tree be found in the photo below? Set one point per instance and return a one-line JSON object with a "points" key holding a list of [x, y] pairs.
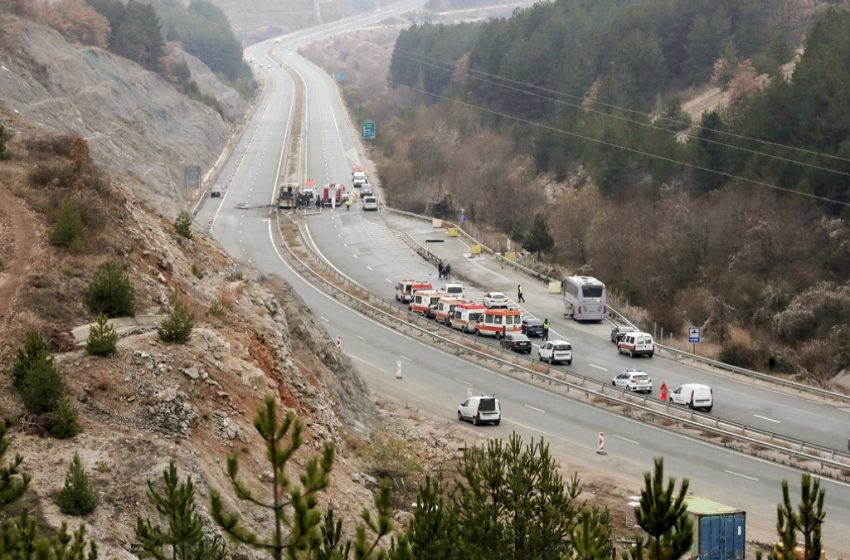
{"points": [[183, 224], [110, 292], [77, 497], [294, 507], [43, 387], [538, 239], [13, 481], [808, 520], [664, 517], [591, 536], [183, 536], [68, 231], [177, 327], [103, 339], [434, 531], [34, 347], [63, 423]]}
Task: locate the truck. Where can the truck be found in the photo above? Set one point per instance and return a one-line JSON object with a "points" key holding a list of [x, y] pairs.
{"points": [[358, 176], [286, 196], [719, 530], [332, 194]]}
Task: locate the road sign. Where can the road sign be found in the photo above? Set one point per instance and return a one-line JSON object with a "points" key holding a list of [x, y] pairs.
{"points": [[693, 335], [339, 75], [368, 130]]}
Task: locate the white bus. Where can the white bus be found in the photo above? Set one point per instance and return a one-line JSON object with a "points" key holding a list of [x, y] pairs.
{"points": [[584, 298]]}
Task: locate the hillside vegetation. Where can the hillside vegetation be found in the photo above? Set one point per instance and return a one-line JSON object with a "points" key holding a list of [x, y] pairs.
{"points": [[570, 113]]}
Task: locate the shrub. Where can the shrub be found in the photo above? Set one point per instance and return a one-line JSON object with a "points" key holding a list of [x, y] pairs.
{"points": [[42, 387], [63, 424], [102, 339], [217, 309], [197, 272], [110, 292], [739, 353], [183, 224], [77, 497], [68, 230], [4, 153], [178, 326], [49, 173], [34, 348]]}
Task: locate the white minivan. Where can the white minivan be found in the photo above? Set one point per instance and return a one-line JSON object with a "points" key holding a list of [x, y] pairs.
{"points": [[694, 396], [480, 409], [454, 289], [636, 344], [370, 203]]}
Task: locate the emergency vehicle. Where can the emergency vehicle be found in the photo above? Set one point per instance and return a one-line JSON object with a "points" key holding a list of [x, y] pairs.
{"points": [[445, 307], [404, 289], [465, 316], [423, 300], [332, 194], [492, 321]]}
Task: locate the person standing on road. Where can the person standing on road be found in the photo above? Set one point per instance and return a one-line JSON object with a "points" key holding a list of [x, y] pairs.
{"points": [[545, 335], [440, 269], [447, 272], [519, 297]]}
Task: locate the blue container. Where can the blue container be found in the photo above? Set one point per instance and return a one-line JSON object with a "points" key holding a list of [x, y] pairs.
{"points": [[719, 531]]}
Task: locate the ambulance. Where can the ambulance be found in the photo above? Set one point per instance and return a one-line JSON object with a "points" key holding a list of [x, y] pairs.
{"points": [[423, 300], [404, 289], [465, 316], [493, 322], [445, 307]]}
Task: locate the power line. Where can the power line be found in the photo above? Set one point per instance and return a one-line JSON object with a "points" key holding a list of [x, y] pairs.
{"points": [[489, 78], [632, 150]]}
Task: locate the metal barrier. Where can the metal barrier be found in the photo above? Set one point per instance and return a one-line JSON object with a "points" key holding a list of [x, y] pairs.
{"points": [[731, 430]]}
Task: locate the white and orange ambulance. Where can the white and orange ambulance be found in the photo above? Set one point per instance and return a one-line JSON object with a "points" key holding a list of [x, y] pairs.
{"points": [[445, 307], [494, 322], [423, 300], [465, 316], [404, 289]]}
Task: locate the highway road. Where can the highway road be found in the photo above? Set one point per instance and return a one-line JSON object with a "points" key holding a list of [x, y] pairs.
{"points": [[365, 247]]}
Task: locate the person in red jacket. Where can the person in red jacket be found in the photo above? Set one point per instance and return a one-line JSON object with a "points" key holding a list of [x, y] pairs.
{"points": [[664, 391]]}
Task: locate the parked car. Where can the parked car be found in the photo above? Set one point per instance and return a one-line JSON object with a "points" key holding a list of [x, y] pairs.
{"points": [[556, 351], [694, 396], [495, 299], [532, 327], [633, 380], [619, 331], [480, 409], [366, 190], [370, 203], [453, 289], [516, 342], [636, 344], [215, 191]]}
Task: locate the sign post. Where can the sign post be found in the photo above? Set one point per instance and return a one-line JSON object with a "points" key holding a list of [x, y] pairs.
{"points": [[461, 217], [694, 337], [368, 130]]}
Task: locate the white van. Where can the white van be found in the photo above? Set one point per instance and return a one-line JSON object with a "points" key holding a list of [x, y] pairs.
{"points": [[694, 396], [370, 203], [453, 289], [480, 409], [636, 344]]}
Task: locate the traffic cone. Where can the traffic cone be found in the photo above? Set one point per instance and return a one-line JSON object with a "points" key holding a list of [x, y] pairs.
{"points": [[398, 369], [600, 450]]}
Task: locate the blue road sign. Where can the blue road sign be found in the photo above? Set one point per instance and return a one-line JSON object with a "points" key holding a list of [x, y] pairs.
{"points": [[368, 130], [693, 334], [339, 75]]}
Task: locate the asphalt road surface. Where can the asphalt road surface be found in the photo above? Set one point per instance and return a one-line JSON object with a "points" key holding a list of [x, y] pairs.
{"points": [[364, 246]]}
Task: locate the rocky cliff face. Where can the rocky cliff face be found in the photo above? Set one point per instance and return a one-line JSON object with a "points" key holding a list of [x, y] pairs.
{"points": [[135, 122]]}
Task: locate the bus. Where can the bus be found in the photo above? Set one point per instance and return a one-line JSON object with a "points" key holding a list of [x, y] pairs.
{"points": [[584, 298]]}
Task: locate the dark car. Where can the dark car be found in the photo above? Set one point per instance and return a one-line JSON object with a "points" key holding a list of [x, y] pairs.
{"points": [[618, 332], [517, 342], [532, 327], [215, 192]]}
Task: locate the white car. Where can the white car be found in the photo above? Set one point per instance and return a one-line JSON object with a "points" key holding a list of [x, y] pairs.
{"points": [[453, 289], [634, 380], [556, 351], [480, 409], [495, 299], [694, 396]]}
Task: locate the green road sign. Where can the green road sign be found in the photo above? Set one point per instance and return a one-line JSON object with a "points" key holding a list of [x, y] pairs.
{"points": [[368, 130]]}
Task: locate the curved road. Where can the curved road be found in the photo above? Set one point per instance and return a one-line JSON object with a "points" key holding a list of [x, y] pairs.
{"points": [[367, 249]]}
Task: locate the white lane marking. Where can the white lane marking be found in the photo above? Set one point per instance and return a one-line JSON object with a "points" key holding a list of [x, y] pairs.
{"points": [[754, 479], [540, 410], [345, 245], [323, 319], [360, 337], [627, 439], [406, 358], [369, 267], [768, 419], [388, 280], [353, 255], [599, 367], [464, 381]]}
